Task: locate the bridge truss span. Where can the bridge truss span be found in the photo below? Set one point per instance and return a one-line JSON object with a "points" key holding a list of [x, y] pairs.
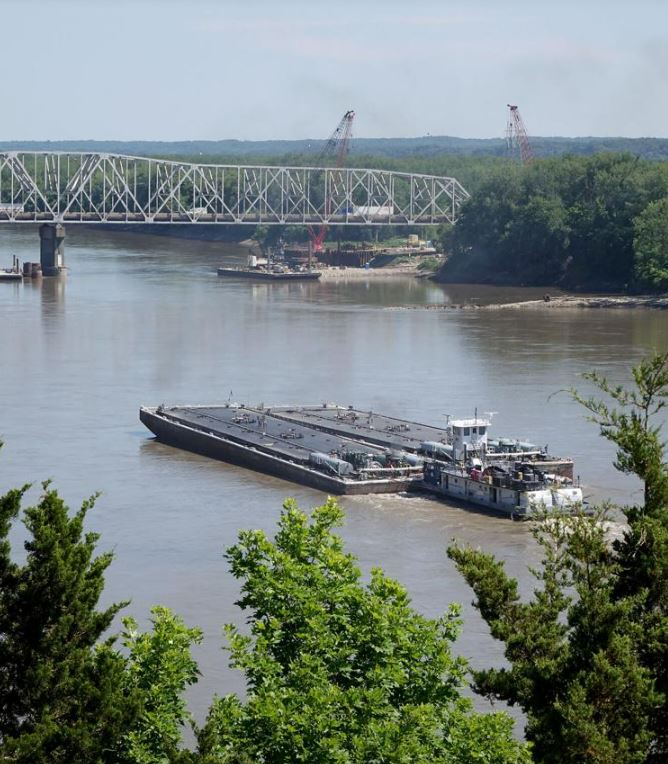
{"points": [[43, 187]]}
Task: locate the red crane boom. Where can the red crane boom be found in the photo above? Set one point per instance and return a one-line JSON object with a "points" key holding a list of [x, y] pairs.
{"points": [[516, 134], [336, 148]]}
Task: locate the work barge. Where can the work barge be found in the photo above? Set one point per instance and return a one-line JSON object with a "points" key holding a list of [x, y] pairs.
{"points": [[346, 451]]}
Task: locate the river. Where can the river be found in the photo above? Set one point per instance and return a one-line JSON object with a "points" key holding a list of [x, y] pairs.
{"points": [[144, 320]]}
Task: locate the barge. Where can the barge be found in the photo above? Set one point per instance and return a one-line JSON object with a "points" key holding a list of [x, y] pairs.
{"points": [[6, 275], [346, 451], [254, 438]]}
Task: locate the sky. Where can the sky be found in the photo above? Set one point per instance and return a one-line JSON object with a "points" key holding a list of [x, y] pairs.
{"points": [[256, 70]]}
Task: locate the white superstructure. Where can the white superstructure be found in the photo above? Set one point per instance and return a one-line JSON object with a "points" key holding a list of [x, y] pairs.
{"points": [[510, 485]]}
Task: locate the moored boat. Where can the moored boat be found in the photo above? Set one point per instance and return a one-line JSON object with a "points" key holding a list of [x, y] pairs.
{"points": [[269, 275], [270, 270], [13, 273]]}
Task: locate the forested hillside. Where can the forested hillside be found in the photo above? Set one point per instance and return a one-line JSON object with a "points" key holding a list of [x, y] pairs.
{"points": [[597, 223]]}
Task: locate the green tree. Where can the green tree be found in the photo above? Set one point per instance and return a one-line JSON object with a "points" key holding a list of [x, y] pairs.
{"points": [[651, 246], [66, 693], [540, 236], [566, 221], [61, 700], [159, 668], [588, 652], [338, 670], [633, 424]]}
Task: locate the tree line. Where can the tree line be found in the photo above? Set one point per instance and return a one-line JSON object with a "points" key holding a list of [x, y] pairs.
{"points": [[344, 670], [422, 146], [597, 222]]}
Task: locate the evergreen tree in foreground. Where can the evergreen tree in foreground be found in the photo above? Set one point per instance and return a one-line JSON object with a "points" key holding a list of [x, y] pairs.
{"points": [[338, 670], [588, 653], [66, 694], [60, 698]]}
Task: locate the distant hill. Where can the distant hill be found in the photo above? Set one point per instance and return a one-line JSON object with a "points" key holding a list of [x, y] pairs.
{"points": [[426, 146]]}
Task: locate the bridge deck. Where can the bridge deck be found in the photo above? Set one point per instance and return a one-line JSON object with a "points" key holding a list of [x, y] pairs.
{"points": [[110, 188]]}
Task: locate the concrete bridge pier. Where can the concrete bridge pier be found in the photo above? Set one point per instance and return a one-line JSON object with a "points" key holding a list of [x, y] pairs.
{"points": [[52, 249]]}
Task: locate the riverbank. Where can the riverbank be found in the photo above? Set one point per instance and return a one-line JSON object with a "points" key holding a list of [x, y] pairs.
{"points": [[359, 274], [574, 302]]}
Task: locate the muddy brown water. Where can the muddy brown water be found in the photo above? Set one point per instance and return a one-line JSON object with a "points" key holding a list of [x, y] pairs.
{"points": [[145, 320]]}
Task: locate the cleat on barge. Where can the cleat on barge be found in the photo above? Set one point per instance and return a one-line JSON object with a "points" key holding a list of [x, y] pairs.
{"points": [[343, 450]]}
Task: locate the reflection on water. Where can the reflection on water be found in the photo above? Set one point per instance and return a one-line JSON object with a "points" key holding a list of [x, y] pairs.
{"points": [[52, 296], [144, 320]]}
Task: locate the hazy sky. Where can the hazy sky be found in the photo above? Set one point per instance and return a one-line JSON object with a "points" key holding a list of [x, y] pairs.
{"points": [[199, 69]]}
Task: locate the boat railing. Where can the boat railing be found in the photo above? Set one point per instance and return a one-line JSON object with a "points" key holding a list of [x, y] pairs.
{"points": [[410, 469]]}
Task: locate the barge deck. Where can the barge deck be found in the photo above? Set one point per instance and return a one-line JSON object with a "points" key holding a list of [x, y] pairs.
{"points": [[254, 438]]}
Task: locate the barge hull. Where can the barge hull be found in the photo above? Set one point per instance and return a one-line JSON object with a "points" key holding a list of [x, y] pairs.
{"points": [[214, 446]]}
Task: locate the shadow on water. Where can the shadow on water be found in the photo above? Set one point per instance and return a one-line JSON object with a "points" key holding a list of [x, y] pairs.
{"points": [[52, 295]]}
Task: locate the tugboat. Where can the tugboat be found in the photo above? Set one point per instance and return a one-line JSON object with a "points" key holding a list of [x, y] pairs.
{"points": [[513, 478], [344, 451], [508, 475]]}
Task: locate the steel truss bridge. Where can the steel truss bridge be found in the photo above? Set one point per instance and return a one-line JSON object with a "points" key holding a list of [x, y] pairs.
{"points": [[58, 187]]}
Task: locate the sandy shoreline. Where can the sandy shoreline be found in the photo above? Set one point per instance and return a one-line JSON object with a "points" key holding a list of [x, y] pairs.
{"points": [[573, 302], [659, 302], [350, 274]]}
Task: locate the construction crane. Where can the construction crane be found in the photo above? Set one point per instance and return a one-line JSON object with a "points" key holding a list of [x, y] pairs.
{"points": [[516, 134], [333, 154]]}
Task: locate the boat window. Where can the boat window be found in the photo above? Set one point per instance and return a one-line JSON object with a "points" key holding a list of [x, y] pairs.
{"points": [[474, 430], [467, 431], [481, 430]]}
